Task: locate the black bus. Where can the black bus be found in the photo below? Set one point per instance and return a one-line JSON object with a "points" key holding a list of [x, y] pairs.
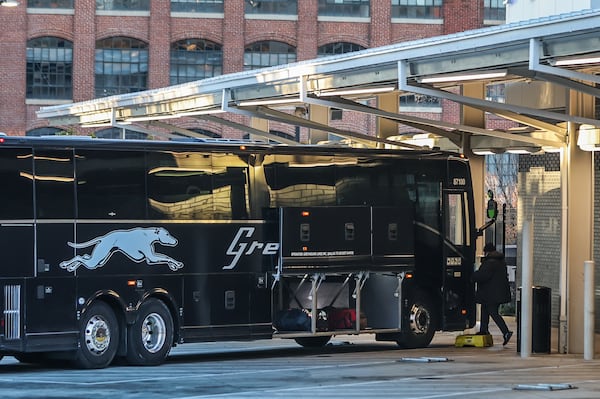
{"points": [[121, 249]]}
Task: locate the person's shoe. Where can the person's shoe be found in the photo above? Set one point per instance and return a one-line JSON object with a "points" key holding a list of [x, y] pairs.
{"points": [[507, 337]]}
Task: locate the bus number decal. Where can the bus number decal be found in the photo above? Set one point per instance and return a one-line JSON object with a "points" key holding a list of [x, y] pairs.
{"points": [[137, 244], [459, 181], [238, 247]]}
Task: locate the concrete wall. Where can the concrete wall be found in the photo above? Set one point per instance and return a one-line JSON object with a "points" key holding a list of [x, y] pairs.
{"points": [[540, 203]]}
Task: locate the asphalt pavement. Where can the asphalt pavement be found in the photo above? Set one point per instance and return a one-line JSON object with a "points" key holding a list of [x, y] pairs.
{"points": [[349, 367]]}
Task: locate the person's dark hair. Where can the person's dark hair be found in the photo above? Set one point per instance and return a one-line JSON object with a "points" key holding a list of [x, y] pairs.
{"points": [[489, 247]]}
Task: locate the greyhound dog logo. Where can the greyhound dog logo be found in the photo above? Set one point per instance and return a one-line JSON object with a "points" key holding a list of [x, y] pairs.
{"points": [[137, 244]]}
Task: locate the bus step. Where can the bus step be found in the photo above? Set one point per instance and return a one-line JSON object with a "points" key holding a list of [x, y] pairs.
{"points": [[479, 341]]}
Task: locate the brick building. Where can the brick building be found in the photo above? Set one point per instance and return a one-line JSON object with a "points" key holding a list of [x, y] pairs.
{"points": [[61, 51]]}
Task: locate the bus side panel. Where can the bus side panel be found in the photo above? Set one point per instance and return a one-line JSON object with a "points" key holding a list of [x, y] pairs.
{"points": [[50, 298], [16, 250], [220, 266]]}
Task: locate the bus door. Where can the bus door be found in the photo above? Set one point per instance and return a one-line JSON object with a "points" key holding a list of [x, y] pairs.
{"points": [[458, 247], [53, 288]]}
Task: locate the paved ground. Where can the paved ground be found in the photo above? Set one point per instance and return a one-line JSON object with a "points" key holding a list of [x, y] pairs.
{"points": [[349, 367]]}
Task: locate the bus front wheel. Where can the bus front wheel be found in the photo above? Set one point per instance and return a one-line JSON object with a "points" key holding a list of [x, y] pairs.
{"points": [[98, 337], [151, 336], [422, 322]]}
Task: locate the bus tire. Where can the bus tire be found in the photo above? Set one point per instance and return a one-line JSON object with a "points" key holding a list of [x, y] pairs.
{"points": [[313, 342], [150, 338], [422, 322], [98, 337]]}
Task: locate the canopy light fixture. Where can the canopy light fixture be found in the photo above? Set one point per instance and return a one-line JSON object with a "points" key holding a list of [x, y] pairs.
{"points": [[9, 3], [350, 92], [589, 138], [268, 101], [462, 77], [173, 116], [484, 152], [576, 61]]}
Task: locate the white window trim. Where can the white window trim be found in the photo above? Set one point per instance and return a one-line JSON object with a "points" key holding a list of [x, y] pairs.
{"points": [[184, 14], [58, 11], [422, 21]]}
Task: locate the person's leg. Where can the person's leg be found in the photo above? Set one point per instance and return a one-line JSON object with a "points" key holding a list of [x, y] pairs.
{"points": [[493, 312], [485, 319]]}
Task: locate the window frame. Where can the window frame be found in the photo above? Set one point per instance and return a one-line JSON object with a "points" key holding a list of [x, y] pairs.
{"points": [[48, 78], [109, 59], [193, 58]]}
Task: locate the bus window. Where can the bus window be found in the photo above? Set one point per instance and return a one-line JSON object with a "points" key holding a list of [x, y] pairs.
{"points": [[54, 184], [455, 219], [191, 185], [230, 184], [180, 185], [16, 175], [300, 180], [110, 184]]}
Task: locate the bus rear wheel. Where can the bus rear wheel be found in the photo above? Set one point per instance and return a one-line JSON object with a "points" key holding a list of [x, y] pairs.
{"points": [[421, 325], [98, 337], [151, 336]]}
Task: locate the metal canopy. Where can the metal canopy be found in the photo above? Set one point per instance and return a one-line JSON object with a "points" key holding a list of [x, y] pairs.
{"points": [[548, 49]]}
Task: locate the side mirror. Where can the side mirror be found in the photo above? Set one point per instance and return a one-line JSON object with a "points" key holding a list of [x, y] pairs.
{"points": [[492, 209]]}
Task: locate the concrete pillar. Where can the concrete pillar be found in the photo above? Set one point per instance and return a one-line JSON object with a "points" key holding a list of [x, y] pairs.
{"points": [[387, 102], [318, 113], [580, 216], [475, 117], [259, 124]]}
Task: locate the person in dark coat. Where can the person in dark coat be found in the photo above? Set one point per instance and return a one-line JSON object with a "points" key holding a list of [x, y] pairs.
{"points": [[492, 290]]}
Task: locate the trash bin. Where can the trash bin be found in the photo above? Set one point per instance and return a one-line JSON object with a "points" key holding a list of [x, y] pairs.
{"points": [[541, 319]]}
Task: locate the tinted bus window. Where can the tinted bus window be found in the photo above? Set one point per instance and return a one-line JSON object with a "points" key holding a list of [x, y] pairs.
{"points": [[111, 184], [373, 182], [300, 180], [230, 184], [429, 191], [54, 184], [455, 220], [16, 174], [191, 185]]}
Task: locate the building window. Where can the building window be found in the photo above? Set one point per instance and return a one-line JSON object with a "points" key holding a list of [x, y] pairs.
{"points": [[268, 53], [344, 8], [43, 131], [426, 9], [195, 59], [121, 66], [118, 133], [494, 10], [419, 101], [182, 137], [215, 6], [123, 5], [285, 7], [49, 3], [338, 48], [495, 92], [50, 68]]}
